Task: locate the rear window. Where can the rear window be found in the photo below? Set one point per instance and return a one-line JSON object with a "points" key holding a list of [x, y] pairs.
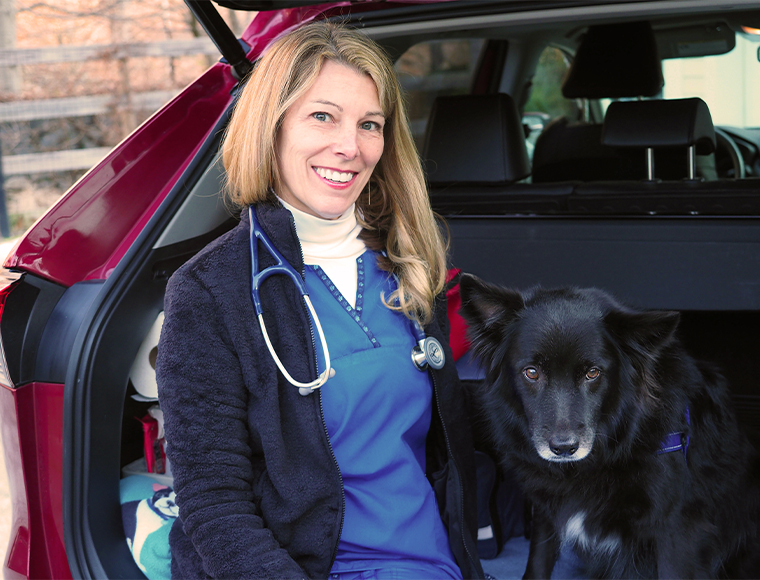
{"points": [[438, 67], [729, 83]]}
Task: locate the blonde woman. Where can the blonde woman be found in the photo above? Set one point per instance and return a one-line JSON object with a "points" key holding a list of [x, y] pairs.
{"points": [[313, 445]]}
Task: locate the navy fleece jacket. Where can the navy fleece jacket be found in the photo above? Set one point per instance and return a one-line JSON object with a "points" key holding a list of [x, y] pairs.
{"points": [[258, 488]]}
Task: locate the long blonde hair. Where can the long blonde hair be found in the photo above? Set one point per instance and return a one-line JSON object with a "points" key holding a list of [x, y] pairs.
{"points": [[399, 219]]}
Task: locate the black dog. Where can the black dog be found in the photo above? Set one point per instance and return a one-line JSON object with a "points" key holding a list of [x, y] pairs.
{"points": [[627, 448]]}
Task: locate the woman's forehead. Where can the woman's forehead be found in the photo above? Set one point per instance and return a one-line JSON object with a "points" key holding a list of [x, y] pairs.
{"points": [[343, 86]]}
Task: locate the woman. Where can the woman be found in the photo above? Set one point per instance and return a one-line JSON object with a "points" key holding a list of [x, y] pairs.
{"points": [[371, 474]]}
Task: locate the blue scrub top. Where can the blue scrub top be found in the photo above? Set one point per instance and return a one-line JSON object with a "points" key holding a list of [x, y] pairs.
{"points": [[377, 409]]}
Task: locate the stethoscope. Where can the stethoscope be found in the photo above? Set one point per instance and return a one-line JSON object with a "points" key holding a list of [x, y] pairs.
{"points": [[427, 351]]}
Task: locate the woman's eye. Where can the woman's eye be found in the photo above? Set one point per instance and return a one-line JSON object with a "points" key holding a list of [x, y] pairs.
{"points": [[531, 373], [370, 126], [321, 116], [593, 373]]}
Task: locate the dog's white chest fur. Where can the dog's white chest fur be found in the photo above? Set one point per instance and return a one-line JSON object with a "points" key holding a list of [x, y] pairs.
{"points": [[575, 534]]}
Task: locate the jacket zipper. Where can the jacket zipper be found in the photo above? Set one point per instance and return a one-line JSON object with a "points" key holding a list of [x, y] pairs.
{"points": [[340, 476], [321, 408], [459, 477]]}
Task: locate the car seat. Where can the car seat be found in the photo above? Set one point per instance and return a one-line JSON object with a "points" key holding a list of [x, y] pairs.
{"points": [[475, 139], [612, 61], [475, 157], [668, 125]]}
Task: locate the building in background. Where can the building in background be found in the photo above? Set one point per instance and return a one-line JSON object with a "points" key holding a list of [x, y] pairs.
{"points": [[76, 77]]}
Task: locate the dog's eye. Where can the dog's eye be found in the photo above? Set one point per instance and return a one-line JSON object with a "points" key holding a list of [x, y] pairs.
{"points": [[593, 373], [531, 373]]}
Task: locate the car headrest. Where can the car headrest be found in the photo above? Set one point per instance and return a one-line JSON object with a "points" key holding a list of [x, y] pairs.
{"points": [[660, 123], [475, 138], [615, 61]]}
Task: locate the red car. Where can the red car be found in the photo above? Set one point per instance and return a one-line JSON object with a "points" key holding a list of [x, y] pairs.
{"points": [[661, 217]]}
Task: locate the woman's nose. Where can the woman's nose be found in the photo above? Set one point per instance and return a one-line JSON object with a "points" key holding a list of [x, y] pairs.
{"points": [[347, 143]]}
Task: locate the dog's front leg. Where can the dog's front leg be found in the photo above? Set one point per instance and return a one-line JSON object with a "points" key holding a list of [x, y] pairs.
{"points": [[544, 548], [677, 558]]}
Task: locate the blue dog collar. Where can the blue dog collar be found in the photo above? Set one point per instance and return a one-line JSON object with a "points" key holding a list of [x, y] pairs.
{"points": [[676, 441]]}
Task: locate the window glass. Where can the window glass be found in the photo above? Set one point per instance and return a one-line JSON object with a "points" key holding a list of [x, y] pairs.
{"points": [[729, 83], [439, 67], [546, 101]]}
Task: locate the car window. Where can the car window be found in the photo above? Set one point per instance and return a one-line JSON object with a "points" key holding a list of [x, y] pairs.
{"points": [[546, 101], [729, 83], [439, 67]]}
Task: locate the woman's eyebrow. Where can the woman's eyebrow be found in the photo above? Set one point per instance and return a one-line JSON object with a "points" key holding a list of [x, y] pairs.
{"points": [[331, 104]]}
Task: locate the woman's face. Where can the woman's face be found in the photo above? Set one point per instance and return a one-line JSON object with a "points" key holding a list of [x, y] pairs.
{"points": [[329, 142]]}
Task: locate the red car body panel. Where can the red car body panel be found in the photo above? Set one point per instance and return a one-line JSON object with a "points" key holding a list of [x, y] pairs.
{"points": [[87, 232], [32, 420]]}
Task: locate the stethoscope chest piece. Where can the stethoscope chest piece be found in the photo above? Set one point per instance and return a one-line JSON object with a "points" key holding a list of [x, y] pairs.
{"points": [[428, 352]]}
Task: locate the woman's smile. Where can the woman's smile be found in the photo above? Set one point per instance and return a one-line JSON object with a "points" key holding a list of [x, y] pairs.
{"points": [[330, 141], [335, 176]]}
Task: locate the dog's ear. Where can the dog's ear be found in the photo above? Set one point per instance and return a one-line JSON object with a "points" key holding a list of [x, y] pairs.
{"points": [[484, 304], [651, 330]]}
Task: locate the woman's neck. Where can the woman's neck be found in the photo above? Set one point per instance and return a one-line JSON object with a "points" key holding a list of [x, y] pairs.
{"points": [[323, 239]]}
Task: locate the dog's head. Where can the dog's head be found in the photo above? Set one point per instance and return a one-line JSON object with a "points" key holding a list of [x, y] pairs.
{"points": [[559, 361]]}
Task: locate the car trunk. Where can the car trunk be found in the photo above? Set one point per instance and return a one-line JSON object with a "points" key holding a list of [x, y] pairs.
{"points": [[104, 303]]}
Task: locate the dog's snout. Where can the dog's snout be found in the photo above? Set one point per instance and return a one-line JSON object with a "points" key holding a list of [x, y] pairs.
{"points": [[564, 444]]}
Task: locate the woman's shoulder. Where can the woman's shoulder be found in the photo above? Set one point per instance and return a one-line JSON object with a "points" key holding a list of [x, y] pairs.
{"points": [[219, 261]]}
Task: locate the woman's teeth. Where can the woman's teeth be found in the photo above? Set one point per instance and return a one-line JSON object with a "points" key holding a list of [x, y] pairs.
{"points": [[335, 176]]}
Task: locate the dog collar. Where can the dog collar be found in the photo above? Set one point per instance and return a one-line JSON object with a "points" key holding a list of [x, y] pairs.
{"points": [[676, 441]]}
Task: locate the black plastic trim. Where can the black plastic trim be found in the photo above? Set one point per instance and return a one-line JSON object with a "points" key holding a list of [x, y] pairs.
{"points": [[266, 5], [671, 263], [27, 309], [224, 39], [408, 14], [61, 330]]}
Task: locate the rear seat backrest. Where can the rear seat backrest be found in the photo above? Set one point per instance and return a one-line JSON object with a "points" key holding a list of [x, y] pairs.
{"points": [[612, 61], [475, 153], [475, 139], [663, 126]]}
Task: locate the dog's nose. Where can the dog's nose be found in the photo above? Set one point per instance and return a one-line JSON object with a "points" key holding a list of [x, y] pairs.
{"points": [[563, 445]]}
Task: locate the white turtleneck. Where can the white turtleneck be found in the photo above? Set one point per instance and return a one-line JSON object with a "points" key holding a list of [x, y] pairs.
{"points": [[332, 245]]}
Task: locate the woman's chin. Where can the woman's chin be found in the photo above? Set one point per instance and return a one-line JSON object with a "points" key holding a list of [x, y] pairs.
{"points": [[332, 209], [330, 213]]}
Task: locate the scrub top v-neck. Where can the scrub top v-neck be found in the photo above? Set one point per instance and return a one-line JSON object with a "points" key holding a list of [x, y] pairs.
{"points": [[377, 409]]}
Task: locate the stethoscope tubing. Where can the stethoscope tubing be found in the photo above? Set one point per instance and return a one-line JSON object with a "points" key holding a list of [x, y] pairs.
{"points": [[428, 350], [282, 267]]}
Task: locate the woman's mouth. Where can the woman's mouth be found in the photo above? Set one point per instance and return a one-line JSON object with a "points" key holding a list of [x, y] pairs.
{"points": [[337, 177]]}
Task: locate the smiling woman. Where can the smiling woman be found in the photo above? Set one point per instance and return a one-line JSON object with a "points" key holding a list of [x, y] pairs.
{"points": [[373, 474], [329, 142], [399, 223]]}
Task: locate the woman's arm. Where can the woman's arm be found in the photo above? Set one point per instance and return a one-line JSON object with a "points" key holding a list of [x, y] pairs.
{"points": [[205, 405]]}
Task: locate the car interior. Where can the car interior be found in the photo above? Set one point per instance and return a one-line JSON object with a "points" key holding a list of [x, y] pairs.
{"points": [[637, 194]]}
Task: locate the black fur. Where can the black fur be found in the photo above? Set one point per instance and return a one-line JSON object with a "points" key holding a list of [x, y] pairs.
{"points": [[580, 391]]}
